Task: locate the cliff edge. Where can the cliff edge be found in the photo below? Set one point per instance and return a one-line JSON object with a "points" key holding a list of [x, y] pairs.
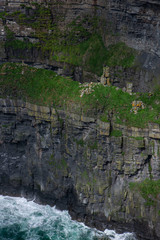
{"points": [[76, 38], [104, 178]]}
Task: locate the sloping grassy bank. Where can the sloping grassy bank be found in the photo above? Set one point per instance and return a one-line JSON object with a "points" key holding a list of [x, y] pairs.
{"points": [[45, 87]]}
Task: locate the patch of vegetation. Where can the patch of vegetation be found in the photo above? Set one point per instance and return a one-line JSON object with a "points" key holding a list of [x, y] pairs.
{"points": [[64, 163], [36, 85], [150, 170], [12, 42], [104, 117], [92, 145], [18, 44], [90, 54], [45, 87], [2, 14], [149, 189], [116, 133], [106, 99], [138, 138], [80, 43], [80, 142], [85, 175], [6, 125], [120, 55], [9, 34]]}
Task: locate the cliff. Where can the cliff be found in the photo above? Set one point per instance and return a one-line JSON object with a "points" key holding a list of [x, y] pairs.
{"points": [[82, 164], [96, 152], [60, 35]]}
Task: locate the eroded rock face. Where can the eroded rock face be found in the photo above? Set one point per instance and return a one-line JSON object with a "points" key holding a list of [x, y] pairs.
{"points": [[72, 161], [134, 22]]}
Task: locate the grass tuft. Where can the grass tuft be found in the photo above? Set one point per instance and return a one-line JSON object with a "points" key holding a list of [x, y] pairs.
{"points": [[116, 133]]}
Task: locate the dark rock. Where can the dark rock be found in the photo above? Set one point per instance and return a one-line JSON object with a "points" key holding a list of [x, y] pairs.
{"points": [[79, 167]]}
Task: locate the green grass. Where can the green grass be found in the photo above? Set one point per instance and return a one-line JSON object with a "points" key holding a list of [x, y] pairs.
{"points": [[104, 117], [90, 54], [18, 44], [2, 14], [36, 85], [138, 138], [149, 189], [80, 43], [116, 133], [44, 87], [120, 55]]}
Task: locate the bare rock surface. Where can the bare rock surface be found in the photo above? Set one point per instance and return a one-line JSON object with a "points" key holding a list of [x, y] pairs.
{"points": [[73, 162]]}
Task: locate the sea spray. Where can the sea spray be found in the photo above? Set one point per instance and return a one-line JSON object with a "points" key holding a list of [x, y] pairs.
{"points": [[25, 220]]}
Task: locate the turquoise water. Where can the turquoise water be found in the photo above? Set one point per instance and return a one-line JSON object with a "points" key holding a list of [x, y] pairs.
{"points": [[25, 220]]}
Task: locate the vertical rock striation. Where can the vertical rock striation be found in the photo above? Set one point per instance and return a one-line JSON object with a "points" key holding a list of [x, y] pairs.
{"points": [[78, 163]]}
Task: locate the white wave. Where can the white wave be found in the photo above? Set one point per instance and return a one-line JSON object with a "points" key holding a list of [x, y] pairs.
{"points": [[34, 220], [114, 236]]}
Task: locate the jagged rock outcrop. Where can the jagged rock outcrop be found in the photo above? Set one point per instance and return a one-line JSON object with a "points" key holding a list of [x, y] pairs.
{"points": [[78, 163], [134, 22]]}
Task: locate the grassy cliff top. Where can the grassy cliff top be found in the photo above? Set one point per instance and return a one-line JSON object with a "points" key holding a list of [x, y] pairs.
{"points": [[45, 87]]}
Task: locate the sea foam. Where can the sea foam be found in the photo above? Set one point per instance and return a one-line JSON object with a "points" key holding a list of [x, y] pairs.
{"points": [[26, 220]]}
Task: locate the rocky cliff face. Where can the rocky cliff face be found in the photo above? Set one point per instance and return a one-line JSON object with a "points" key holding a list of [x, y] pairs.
{"points": [[82, 164], [73, 161], [134, 22]]}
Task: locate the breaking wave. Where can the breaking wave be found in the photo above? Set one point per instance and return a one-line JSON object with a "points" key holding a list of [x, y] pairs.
{"points": [[25, 220]]}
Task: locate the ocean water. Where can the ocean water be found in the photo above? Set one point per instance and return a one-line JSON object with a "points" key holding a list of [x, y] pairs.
{"points": [[25, 220]]}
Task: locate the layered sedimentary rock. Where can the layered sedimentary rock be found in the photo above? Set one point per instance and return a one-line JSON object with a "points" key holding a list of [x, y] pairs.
{"points": [[77, 163], [134, 22]]}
